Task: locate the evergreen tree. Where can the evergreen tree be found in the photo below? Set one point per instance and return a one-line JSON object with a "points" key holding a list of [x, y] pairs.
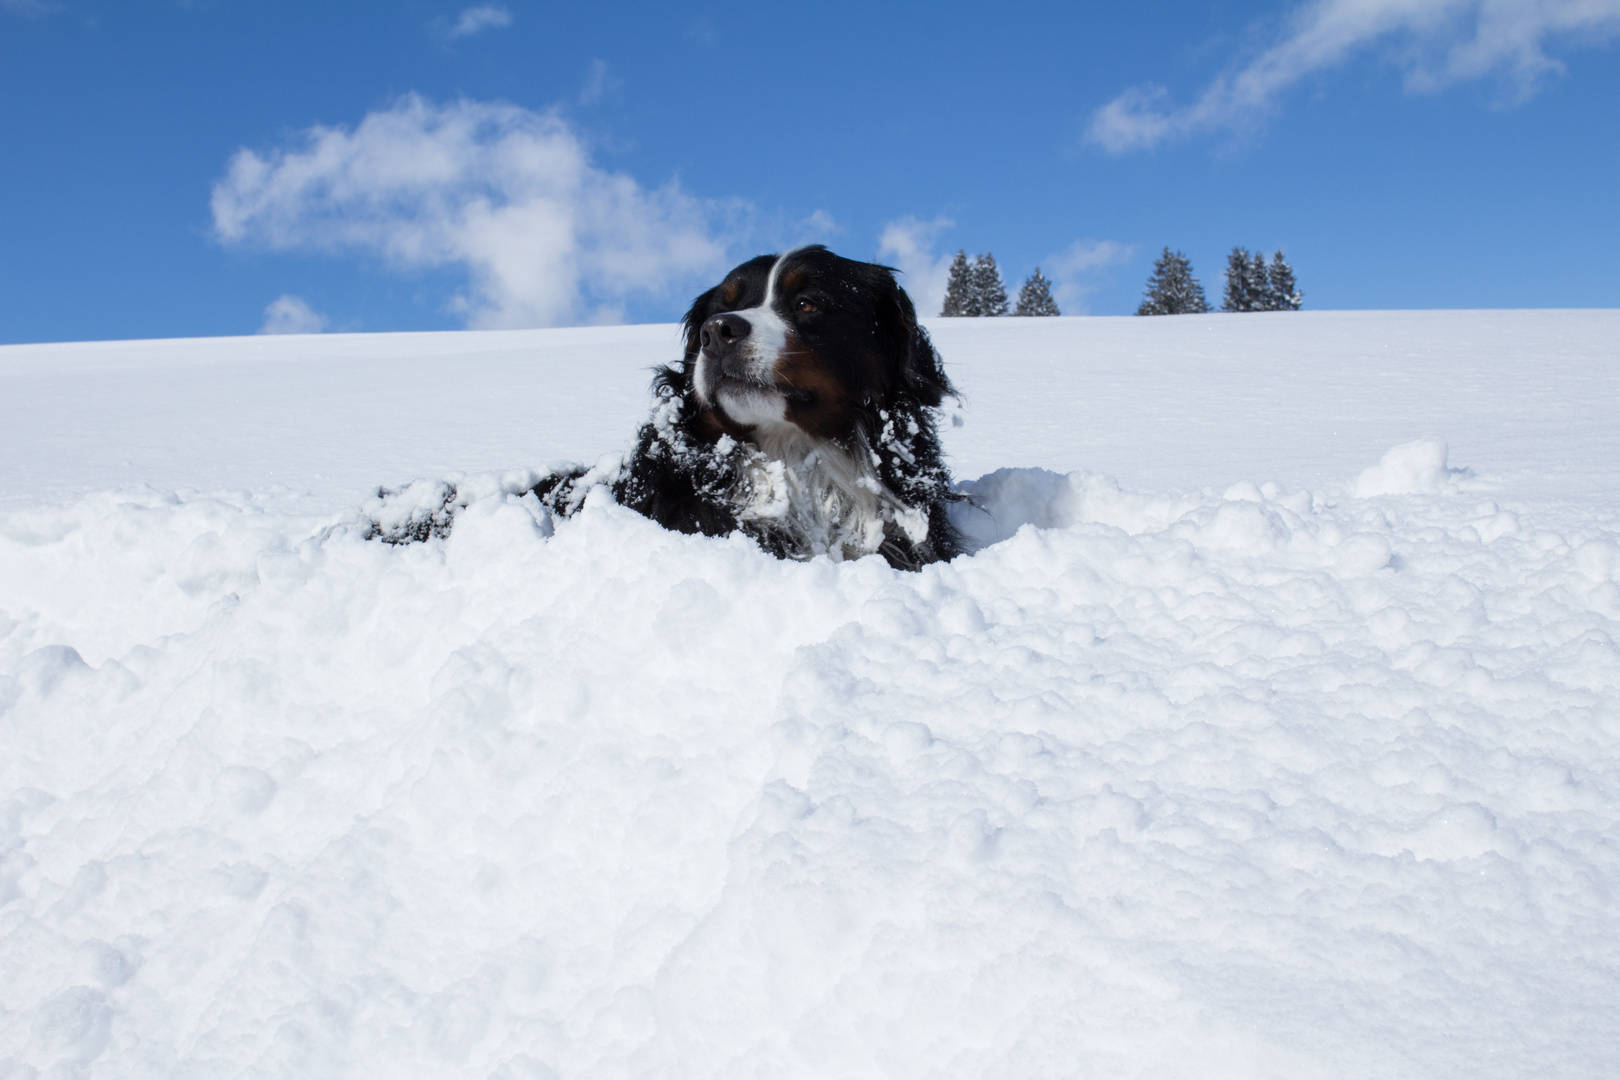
{"points": [[1172, 290], [1282, 293], [1258, 284], [1237, 296], [959, 289], [1035, 298], [988, 291], [1247, 285]]}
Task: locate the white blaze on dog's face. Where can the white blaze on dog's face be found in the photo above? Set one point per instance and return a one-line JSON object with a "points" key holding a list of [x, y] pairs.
{"points": [[812, 360], [739, 353], [803, 344]]}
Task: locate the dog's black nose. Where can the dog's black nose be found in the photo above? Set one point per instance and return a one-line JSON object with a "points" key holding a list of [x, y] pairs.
{"points": [[721, 333]]}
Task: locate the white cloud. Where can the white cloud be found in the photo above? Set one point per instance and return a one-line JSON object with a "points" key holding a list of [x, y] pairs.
{"points": [[909, 244], [32, 9], [1088, 256], [509, 195], [1434, 42], [819, 228], [478, 19], [597, 83], [1075, 271], [290, 315]]}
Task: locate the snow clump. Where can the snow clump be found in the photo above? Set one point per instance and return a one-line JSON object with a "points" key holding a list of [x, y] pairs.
{"points": [[1414, 468]]}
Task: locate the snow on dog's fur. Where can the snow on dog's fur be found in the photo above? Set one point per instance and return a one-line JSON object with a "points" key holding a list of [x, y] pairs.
{"points": [[802, 414]]}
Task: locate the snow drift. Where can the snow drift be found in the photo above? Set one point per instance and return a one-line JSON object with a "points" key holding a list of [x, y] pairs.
{"points": [[1257, 779]]}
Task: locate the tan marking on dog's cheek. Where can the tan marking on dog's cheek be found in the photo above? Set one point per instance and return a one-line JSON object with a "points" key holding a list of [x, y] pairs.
{"points": [[832, 410], [709, 424]]}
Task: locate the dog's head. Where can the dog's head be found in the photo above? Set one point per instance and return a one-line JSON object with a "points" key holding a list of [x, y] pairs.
{"points": [[807, 339]]}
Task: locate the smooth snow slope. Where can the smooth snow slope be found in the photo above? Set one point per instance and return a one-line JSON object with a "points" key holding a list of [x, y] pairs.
{"points": [[1305, 398], [1296, 754]]}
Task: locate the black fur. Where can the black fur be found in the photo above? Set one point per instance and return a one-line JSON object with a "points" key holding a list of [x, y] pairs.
{"points": [[860, 374]]}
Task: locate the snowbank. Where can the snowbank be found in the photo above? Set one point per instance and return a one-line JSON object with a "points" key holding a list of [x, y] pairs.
{"points": [[1262, 780]]}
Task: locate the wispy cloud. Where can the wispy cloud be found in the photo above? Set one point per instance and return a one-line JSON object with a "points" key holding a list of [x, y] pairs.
{"points": [[510, 196], [819, 227], [32, 9], [909, 244], [1077, 271], [475, 20], [702, 33], [290, 315], [1435, 43], [597, 83]]}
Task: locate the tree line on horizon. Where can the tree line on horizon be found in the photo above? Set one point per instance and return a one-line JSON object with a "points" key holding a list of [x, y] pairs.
{"points": [[1250, 285], [976, 289]]}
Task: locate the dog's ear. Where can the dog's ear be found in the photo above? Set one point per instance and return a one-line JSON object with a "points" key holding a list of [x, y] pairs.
{"points": [[692, 321], [911, 364]]}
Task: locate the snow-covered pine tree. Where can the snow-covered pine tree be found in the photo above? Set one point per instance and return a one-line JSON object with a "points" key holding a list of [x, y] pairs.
{"points": [[1172, 290], [988, 290], [1282, 292], [1035, 298], [1259, 284], [1237, 295], [959, 289]]}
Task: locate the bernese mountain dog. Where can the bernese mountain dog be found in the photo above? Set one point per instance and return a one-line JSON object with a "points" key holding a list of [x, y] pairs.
{"points": [[802, 415]]}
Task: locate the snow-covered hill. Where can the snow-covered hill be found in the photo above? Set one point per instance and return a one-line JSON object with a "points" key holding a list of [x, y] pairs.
{"points": [[1273, 731]]}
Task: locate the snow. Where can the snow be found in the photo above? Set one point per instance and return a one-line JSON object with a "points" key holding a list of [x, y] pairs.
{"points": [[1274, 729], [1414, 468]]}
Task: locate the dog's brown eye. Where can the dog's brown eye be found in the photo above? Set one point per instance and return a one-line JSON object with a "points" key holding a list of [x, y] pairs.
{"points": [[806, 305]]}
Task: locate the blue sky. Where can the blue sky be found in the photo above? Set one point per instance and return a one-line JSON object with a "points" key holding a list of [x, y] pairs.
{"points": [[220, 166]]}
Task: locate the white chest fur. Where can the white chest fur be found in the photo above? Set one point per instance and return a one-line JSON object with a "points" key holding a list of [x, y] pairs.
{"points": [[828, 499]]}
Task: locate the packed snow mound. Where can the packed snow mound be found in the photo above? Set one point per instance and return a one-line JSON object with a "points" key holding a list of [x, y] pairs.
{"points": [[1272, 782], [1414, 468]]}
